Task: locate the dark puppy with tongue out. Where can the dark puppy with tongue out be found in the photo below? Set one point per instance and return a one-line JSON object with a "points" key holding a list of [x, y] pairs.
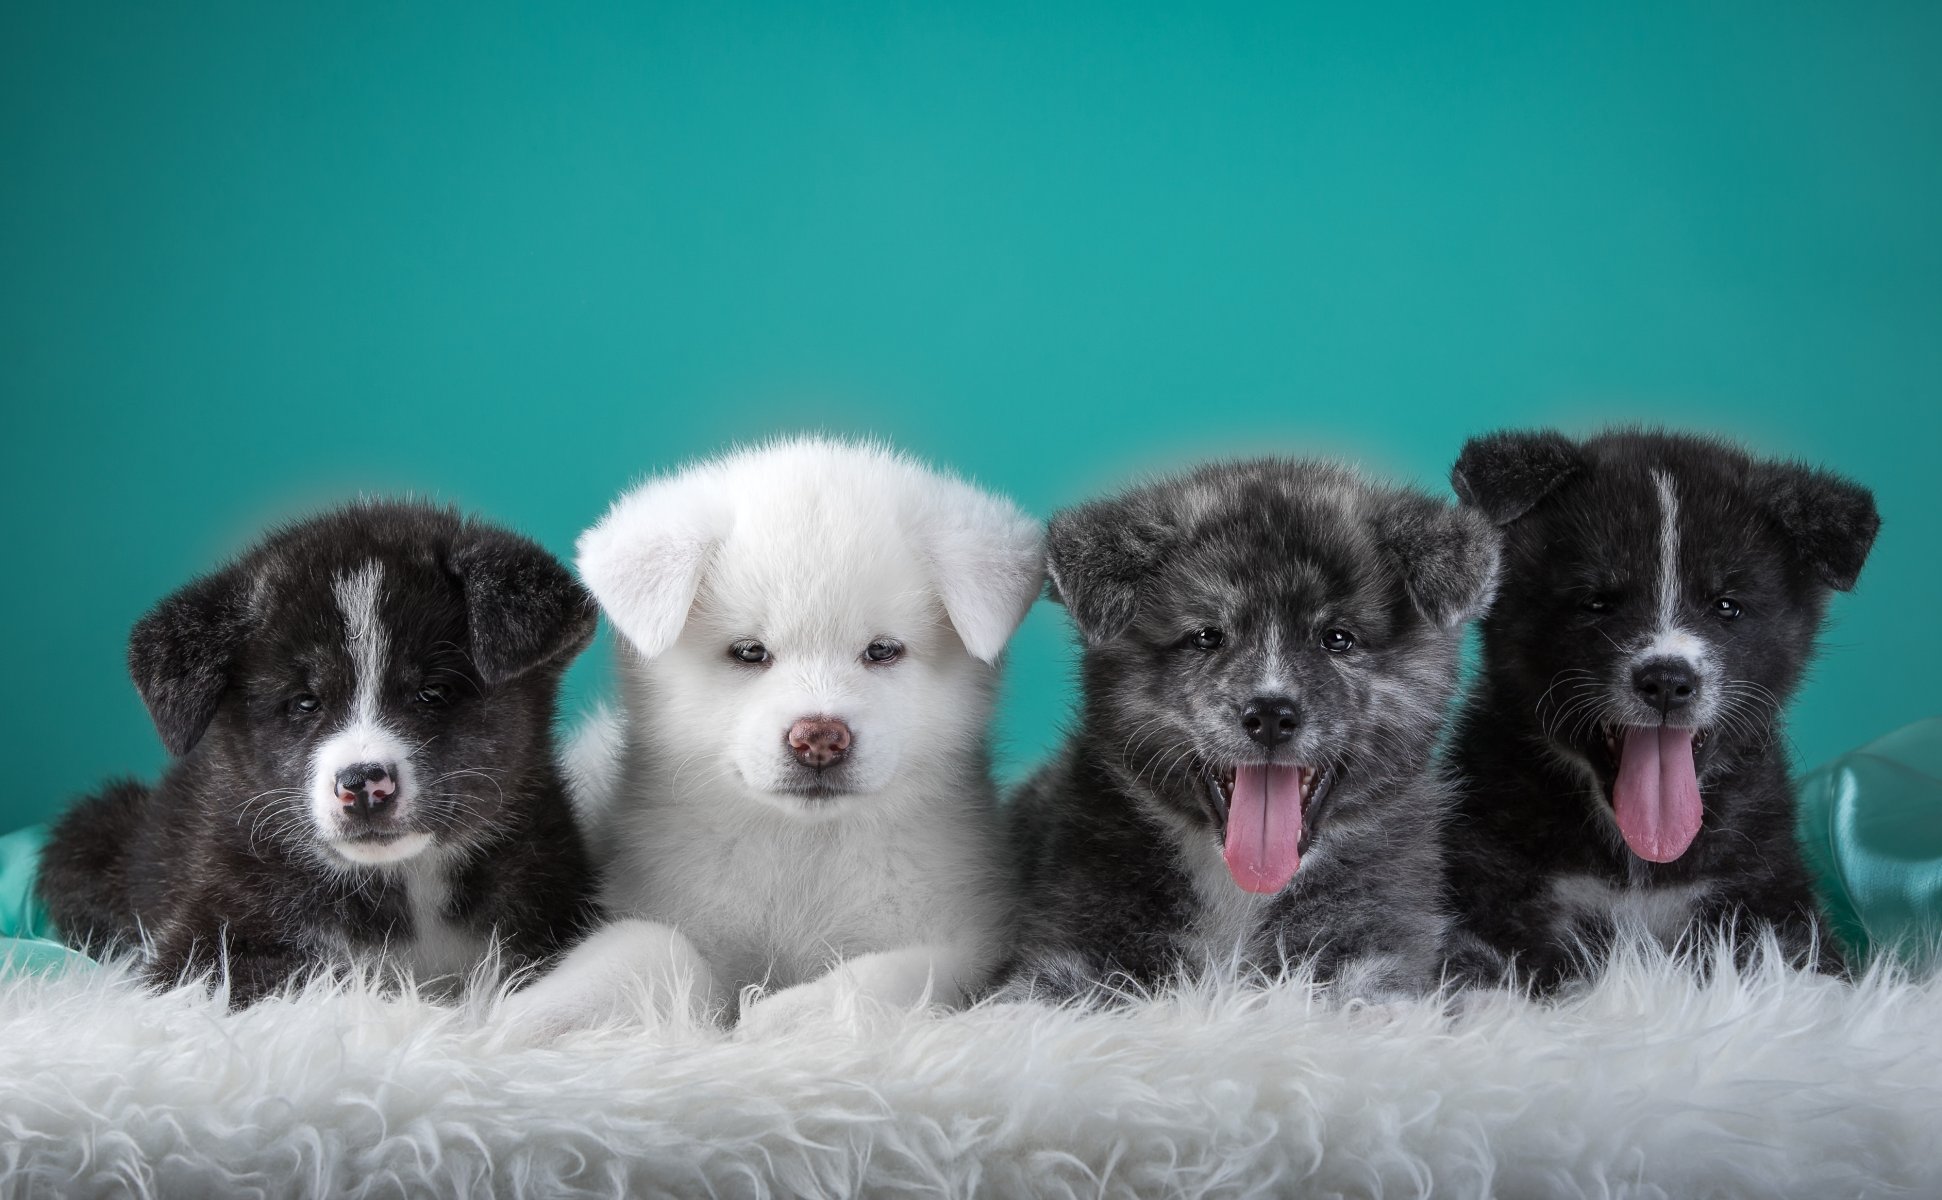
{"points": [[1270, 647], [1621, 758]]}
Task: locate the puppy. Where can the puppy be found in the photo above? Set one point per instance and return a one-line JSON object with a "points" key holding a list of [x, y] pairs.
{"points": [[1269, 650], [361, 712], [811, 634], [1621, 756]]}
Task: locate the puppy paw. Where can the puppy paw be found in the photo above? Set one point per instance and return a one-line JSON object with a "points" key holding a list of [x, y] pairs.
{"points": [[782, 1013], [1380, 1012], [871, 991], [540, 1015], [632, 973]]}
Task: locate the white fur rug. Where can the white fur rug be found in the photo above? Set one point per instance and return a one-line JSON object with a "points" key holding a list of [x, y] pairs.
{"points": [[1649, 1085]]}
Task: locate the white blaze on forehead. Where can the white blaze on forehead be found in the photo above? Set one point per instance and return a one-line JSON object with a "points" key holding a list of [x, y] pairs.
{"points": [[364, 737], [1668, 639], [1668, 553], [364, 636]]}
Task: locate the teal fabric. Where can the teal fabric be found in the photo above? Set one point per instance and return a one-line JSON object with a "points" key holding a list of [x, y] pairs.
{"points": [[1871, 825], [35, 955], [26, 937], [21, 915]]}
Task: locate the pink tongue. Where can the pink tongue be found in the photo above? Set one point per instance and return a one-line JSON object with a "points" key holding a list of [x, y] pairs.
{"points": [[1657, 794], [1264, 827]]}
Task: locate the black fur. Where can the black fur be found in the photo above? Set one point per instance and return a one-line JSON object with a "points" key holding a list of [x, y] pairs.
{"points": [[1583, 531], [221, 865], [1121, 836]]}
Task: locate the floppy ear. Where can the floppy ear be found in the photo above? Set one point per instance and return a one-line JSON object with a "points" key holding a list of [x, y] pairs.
{"points": [[643, 561], [180, 654], [1832, 521], [1506, 474], [523, 610], [989, 563], [1447, 556], [1099, 556]]}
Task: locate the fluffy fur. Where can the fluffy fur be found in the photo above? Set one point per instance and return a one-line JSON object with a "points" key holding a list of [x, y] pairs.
{"points": [[361, 708], [806, 583], [1650, 1084], [1203, 600], [1629, 556]]}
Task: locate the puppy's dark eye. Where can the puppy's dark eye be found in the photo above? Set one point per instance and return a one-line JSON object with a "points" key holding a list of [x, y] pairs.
{"points": [[751, 652], [1338, 641], [304, 703], [1206, 639], [1598, 605], [432, 693], [1726, 608], [884, 650]]}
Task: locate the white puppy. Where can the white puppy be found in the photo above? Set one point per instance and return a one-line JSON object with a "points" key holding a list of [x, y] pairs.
{"points": [[801, 802]]}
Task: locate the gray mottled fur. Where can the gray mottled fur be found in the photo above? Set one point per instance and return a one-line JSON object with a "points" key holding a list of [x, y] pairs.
{"points": [[1120, 837]]}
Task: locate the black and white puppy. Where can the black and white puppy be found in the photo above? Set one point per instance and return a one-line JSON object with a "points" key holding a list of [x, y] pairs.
{"points": [[1270, 648], [1621, 757], [361, 708]]}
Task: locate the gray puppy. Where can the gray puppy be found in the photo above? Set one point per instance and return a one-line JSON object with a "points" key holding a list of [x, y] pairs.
{"points": [[1270, 650]]}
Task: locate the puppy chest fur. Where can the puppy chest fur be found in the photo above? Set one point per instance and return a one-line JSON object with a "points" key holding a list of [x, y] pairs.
{"points": [[773, 900], [1590, 908]]}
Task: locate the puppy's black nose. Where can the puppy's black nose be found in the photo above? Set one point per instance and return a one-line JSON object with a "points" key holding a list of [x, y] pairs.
{"points": [[1667, 684], [367, 788], [819, 742], [1270, 720]]}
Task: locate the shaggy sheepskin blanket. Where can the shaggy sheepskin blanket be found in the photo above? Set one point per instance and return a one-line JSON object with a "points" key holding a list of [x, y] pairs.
{"points": [[1652, 1083]]}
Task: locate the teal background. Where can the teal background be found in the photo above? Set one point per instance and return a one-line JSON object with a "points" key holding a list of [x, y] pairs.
{"points": [[258, 257]]}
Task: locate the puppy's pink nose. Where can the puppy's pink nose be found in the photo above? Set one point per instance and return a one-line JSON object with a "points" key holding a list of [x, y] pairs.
{"points": [[367, 788], [819, 741]]}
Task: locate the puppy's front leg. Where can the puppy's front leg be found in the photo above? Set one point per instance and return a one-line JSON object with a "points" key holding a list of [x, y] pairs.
{"points": [[1067, 976], [247, 968], [606, 977], [893, 979]]}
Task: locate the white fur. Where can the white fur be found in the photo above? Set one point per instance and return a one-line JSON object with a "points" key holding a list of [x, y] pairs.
{"points": [[1662, 912], [363, 737], [389, 854], [1229, 917], [1668, 592], [1648, 1085], [438, 949], [814, 549], [1669, 639], [590, 763], [628, 966]]}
